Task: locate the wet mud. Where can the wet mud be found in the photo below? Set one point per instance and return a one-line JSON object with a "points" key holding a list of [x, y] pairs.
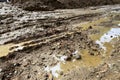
{"points": [[43, 5], [71, 44]]}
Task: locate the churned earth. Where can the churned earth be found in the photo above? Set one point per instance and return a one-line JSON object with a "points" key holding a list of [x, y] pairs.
{"points": [[36, 5], [64, 44]]}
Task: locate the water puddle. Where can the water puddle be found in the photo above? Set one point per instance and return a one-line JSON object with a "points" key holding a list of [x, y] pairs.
{"points": [[107, 37], [8, 48], [86, 25], [65, 66], [86, 61], [103, 38], [54, 70], [5, 49]]}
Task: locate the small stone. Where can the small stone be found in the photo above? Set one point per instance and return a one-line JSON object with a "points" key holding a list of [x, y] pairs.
{"points": [[46, 75], [0, 70], [68, 58], [91, 53], [16, 64], [15, 72], [28, 77], [10, 73], [90, 27], [61, 73], [77, 56], [111, 36]]}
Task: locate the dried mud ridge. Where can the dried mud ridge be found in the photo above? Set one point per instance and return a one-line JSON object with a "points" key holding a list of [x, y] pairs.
{"points": [[43, 38]]}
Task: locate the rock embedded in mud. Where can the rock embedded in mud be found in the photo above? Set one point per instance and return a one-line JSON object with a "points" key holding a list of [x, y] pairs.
{"points": [[90, 27], [0, 70], [15, 72], [77, 56], [61, 73], [91, 53], [16, 64], [68, 58]]}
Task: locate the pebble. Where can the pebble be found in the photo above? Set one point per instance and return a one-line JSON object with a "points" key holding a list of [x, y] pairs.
{"points": [[16, 64], [0, 70], [61, 73], [91, 53], [15, 72], [68, 58], [77, 56], [90, 27]]}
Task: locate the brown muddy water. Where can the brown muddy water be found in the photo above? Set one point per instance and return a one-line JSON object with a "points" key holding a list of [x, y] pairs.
{"points": [[104, 37], [11, 47]]}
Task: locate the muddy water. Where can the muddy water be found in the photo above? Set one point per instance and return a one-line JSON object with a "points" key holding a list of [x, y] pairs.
{"points": [[87, 60], [6, 49], [65, 66], [105, 35]]}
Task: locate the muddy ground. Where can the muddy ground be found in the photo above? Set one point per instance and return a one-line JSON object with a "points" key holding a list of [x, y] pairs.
{"points": [[36, 5], [31, 43]]}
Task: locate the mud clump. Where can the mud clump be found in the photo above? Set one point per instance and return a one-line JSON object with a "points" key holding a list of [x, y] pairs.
{"points": [[33, 5]]}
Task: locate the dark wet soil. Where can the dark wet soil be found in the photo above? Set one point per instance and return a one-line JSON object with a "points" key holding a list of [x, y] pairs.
{"points": [[32, 5]]}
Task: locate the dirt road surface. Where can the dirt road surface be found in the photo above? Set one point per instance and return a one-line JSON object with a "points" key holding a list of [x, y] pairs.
{"points": [[64, 44]]}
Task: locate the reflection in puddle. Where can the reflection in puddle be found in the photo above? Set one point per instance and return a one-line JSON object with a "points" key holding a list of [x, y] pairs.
{"points": [[119, 25], [65, 66], [57, 68], [107, 37], [60, 58], [54, 70]]}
